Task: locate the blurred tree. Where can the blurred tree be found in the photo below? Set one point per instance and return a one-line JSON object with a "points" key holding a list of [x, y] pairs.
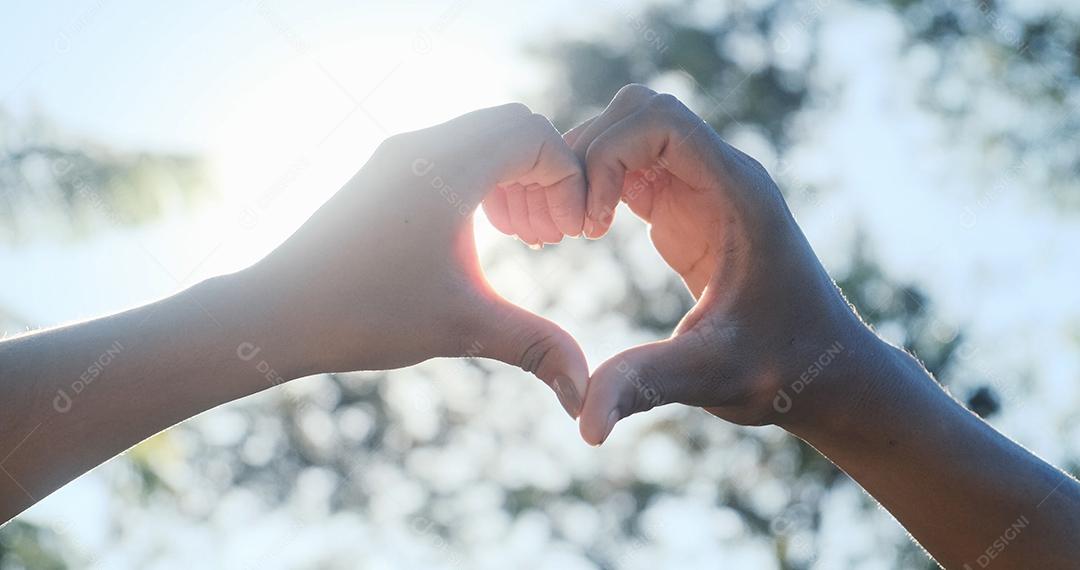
{"points": [[748, 64], [24, 545], [53, 185], [743, 68], [1016, 61]]}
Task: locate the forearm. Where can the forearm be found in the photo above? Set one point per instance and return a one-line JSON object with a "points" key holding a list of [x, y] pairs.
{"points": [[968, 494], [76, 396]]}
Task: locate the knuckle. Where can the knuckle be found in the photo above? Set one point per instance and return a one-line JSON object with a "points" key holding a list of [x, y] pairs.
{"points": [[646, 386], [665, 112], [539, 123], [528, 130], [401, 146], [632, 95], [759, 171], [598, 152], [667, 103], [391, 145], [604, 212], [481, 126], [538, 345], [603, 169], [399, 156], [500, 113], [514, 109]]}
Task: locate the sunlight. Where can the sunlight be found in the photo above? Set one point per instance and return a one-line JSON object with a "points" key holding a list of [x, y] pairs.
{"points": [[912, 155], [328, 113]]}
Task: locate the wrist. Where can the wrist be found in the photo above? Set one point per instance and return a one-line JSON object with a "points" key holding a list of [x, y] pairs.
{"points": [[873, 393], [833, 392], [257, 326]]}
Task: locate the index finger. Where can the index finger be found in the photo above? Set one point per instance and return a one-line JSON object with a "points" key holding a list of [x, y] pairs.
{"points": [[531, 151], [663, 135], [603, 199]]}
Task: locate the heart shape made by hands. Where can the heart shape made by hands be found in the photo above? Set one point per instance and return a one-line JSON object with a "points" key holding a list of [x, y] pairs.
{"points": [[763, 301]]}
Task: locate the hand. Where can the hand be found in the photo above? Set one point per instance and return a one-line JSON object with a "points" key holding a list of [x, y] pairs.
{"points": [[385, 274], [766, 310]]}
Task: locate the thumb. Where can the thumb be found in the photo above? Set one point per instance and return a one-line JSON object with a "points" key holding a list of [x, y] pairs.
{"points": [[637, 380], [506, 332]]}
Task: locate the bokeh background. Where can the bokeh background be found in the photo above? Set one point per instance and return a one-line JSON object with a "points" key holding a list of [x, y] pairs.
{"points": [[928, 148]]}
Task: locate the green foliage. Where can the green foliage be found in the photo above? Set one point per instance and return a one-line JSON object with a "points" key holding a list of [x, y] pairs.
{"points": [[769, 93], [765, 86], [81, 186], [988, 50], [668, 40], [23, 545]]}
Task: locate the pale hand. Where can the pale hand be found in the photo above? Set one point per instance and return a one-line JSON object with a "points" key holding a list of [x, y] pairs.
{"points": [[385, 274]]}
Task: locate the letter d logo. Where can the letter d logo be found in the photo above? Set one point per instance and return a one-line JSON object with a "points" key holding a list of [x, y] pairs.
{"points": [[62, 402], [782, 402], [422, 166]]}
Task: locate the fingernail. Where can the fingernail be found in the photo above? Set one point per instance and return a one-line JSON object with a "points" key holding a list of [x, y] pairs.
{"points": [[536, 246], [568, 395], [612, 417], [590, 227]]}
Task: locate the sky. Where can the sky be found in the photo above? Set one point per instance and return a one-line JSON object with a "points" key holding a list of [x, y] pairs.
{"points": [[281, 99], [286, 97], [288, 101], [165, 76]]}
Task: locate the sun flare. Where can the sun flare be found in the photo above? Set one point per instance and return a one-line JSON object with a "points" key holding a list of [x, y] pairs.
{"points": [[330, 108]]}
